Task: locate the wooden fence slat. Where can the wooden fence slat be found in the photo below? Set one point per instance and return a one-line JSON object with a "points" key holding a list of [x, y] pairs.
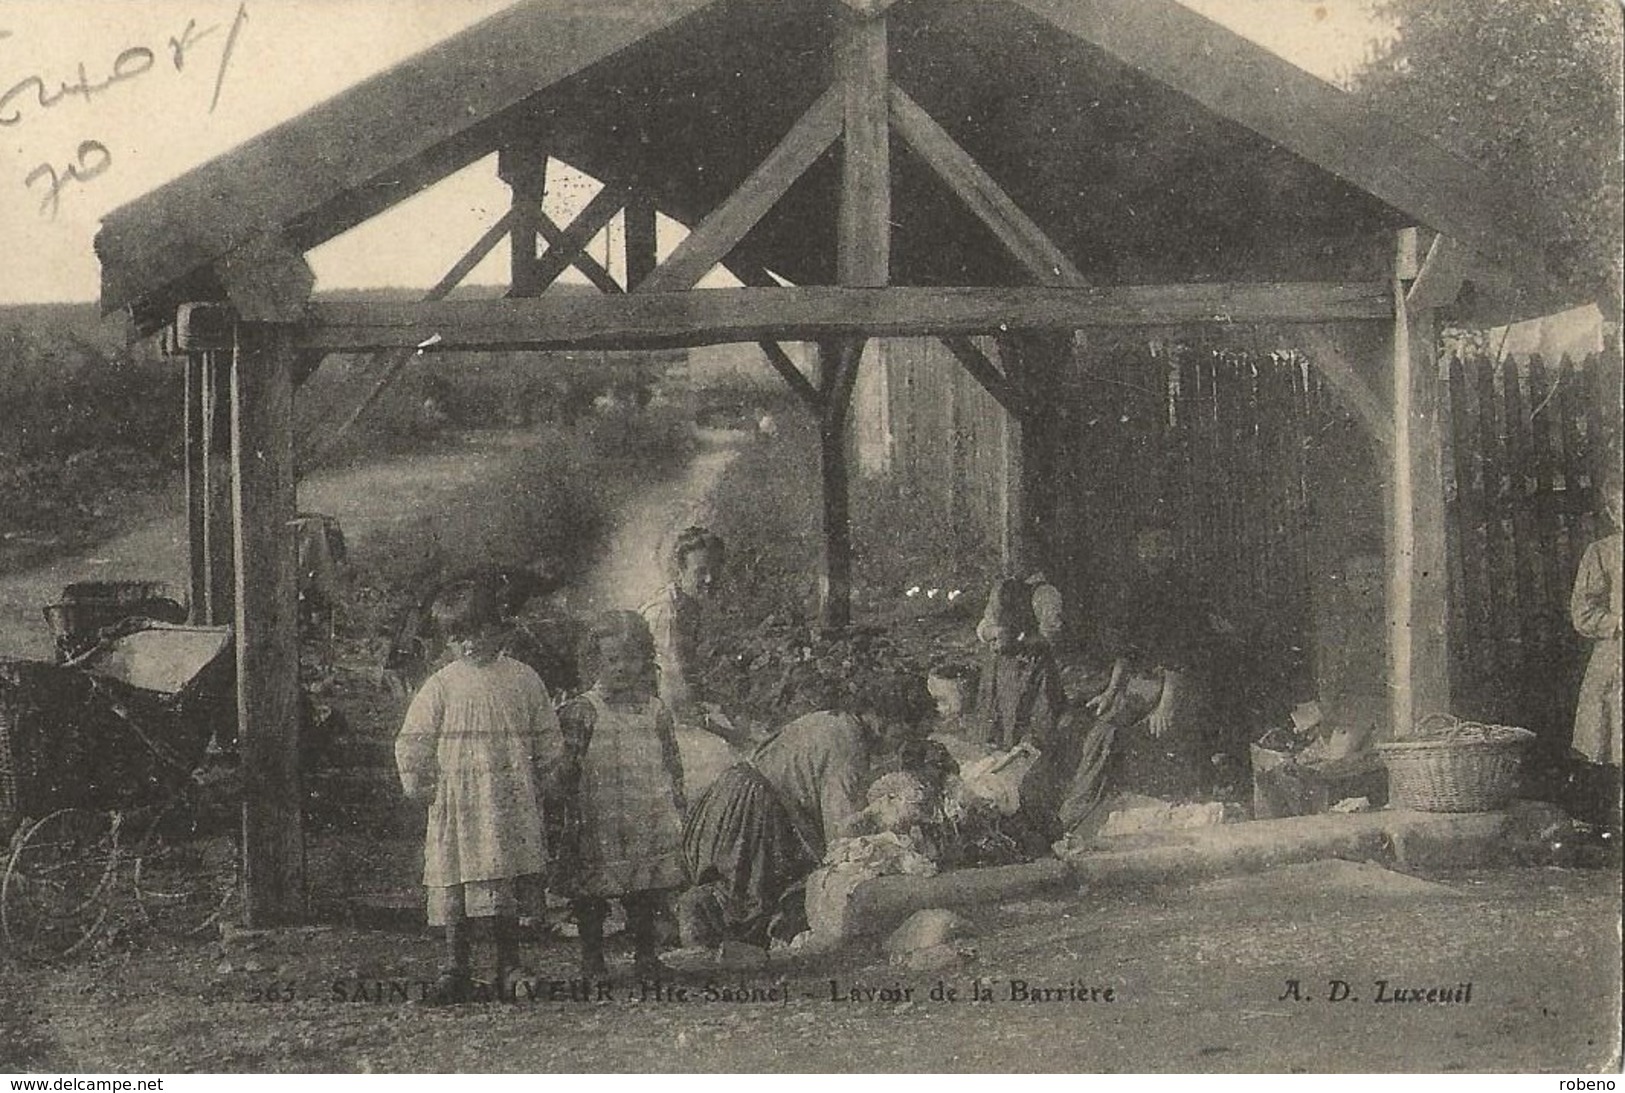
{"points": [[1548, 527], [1515, 424], [1497, 549], [1468, 549], [1571, 380]]}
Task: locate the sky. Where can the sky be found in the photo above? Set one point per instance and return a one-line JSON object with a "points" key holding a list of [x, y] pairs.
{"points": [[169, 84]]}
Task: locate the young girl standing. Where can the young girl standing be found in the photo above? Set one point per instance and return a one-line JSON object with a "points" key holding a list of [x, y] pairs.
{"points": [[469, 745], [623, 781]]}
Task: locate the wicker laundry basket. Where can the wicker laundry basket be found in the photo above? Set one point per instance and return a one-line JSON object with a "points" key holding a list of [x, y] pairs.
{"points": [[1455, 766]]}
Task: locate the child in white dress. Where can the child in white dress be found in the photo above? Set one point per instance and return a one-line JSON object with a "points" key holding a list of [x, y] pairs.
{"points": [[469, 746]]}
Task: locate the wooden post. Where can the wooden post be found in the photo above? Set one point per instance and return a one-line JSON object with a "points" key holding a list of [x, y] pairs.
{"points": [[863, 259], [642, 248], [267, 637], [197, 508], [219, 590], [1418, 639], [1031, 360], [524, 169]]}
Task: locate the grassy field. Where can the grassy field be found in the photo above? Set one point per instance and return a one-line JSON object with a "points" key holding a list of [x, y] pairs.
{"points": [[91, 438]]}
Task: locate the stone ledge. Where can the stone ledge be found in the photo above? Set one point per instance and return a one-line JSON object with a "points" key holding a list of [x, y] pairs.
{"points": [[1417, 839]]}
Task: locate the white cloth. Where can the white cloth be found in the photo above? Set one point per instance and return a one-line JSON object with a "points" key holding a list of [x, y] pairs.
{"points": [[472, 737]]}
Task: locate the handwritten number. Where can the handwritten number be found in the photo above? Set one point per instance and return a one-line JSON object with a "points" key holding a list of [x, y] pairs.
{"points": [[225, 55], [53, 192], [93, 159], [189, 37], [121, 69], [85, 172], [129, 64]]}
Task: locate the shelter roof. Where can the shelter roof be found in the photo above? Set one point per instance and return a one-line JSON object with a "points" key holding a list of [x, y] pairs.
{"points": [[1151, 144]]}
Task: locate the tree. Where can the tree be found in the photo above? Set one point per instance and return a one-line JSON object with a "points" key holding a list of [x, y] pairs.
{"points": [[1531, 89]]}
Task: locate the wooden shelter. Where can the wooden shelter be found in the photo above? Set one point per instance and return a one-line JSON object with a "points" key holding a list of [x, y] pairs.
{"points": [[941, 168]]}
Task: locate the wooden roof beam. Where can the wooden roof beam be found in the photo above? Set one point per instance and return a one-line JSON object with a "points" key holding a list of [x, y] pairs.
{"points": [[863, 230], [812, 313], [1352, 389], [1327, 126], [267, 280], [565, 249], [407, 114], [756, 277], [868, 9], [592, 269], [986, 373], [1024, 239], [715, 236], [314, 446]]}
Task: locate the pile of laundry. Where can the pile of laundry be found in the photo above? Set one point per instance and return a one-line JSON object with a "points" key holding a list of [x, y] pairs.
{"points": [[916, 826]]}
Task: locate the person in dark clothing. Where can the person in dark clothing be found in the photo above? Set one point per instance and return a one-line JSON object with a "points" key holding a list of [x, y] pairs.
{"points": [[1020, 696], [1150, 733], [752, 838]]}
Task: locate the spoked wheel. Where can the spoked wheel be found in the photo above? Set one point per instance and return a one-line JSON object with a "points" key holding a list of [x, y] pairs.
{"points": [[58, 883], [188, 873]]}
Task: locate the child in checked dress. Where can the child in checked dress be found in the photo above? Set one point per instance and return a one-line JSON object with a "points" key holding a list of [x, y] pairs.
{"points": [[468, 746], [623, 784]]}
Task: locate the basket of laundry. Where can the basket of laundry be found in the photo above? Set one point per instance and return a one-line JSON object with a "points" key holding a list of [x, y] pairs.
{"points": [[1453, 765]]}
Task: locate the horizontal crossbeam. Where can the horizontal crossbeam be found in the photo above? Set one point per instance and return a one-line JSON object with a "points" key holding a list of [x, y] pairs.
{"points": [[714, 316]]}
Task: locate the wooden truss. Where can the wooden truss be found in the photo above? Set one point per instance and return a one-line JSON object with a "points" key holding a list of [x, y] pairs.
{"points": [[246, 356]]}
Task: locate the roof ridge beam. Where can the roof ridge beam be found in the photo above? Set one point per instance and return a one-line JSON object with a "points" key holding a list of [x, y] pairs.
{"points": [[716, 236], [978, 190]]}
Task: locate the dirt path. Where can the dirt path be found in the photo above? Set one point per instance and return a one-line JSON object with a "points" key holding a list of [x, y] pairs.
{"points": [[364, 498], [636, 565]]}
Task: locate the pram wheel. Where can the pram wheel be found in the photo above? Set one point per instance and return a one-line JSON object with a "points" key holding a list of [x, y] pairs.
{"points": [[188, 871], [58, 880]]}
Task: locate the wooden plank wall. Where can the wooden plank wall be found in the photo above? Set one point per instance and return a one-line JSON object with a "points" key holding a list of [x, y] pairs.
{"points": [[1271, 486], [1528, 438], [948, 434], [1213, 438]]}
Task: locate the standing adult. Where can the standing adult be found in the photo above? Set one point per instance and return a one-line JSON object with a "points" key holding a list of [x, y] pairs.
{"points": [[1594, 608], [763, 826]]}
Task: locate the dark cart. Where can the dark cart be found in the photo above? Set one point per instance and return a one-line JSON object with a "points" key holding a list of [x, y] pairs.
{"points": [[106, 768]]}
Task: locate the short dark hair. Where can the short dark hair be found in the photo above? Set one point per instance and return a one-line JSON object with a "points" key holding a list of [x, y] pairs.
{"points": [[694, 539], [895, 695], [625, 626], [465, 608], [1012, 606]]}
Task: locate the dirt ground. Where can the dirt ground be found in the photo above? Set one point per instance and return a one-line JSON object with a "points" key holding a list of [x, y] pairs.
{"points": [[1196, 976]]}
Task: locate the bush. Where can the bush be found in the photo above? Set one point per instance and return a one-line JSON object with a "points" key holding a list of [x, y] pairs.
{"points": [[86, 423], [767, 658], [548, 505]]}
